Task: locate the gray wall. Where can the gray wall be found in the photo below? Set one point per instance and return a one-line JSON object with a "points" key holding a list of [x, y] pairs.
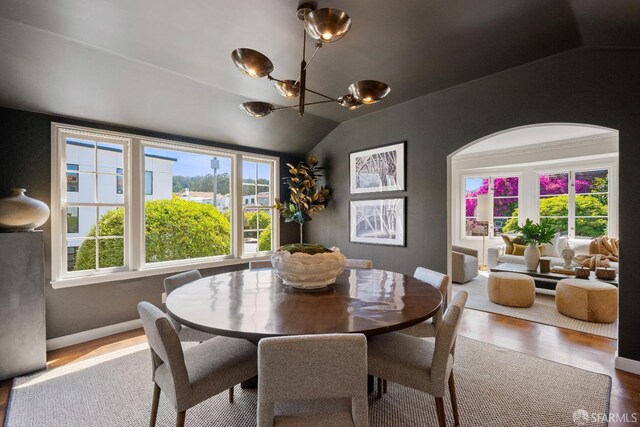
{"points": [[590, 86], [25, 161]]}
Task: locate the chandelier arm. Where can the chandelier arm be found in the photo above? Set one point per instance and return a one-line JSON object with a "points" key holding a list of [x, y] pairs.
{"points": [[318, 46], [289, 107], [322, 95]]}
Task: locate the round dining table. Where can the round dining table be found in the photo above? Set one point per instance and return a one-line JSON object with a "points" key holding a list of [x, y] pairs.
{"points": [[254, 304]]}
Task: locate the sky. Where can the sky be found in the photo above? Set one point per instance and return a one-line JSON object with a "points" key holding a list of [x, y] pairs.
{"points": [[191, 164]]}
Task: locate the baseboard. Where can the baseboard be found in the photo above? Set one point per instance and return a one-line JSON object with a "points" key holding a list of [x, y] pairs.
{"points": [[628, 365], [93, 334]]}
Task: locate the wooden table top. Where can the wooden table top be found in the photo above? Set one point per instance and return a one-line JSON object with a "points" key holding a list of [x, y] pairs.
{"points": [[254, 304]]}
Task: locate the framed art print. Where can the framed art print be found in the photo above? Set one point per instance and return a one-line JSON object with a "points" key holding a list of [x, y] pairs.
{"points": [[378, 169], [378, 221]]}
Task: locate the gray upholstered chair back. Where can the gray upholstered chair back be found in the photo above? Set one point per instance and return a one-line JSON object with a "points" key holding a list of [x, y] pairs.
{"points": [[165, 346], [359, 263], [312, 367], [440, 282], [445, 341], [172, 283]]}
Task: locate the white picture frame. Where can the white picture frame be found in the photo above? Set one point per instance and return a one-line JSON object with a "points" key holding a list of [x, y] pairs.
{"points": [[378, 221], [378, 169]]}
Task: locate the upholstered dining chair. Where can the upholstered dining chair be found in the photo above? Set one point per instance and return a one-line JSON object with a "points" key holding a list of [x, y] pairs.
{"points": [[188, 377], [260, 264], [359, 263], [421, 364], [440, 282], [172, 283], [313, 380]]}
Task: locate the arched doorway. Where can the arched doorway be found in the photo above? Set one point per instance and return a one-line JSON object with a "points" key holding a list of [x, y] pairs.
{"points": [[562, 174]]}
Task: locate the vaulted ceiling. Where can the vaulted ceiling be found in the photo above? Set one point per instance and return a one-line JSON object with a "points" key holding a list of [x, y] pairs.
{"points": [[165, 64]]}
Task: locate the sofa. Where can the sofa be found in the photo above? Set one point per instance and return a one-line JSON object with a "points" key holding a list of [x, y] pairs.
{"points": [[464, 264], [553, 251]]}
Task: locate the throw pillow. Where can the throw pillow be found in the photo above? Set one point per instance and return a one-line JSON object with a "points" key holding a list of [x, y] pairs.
{"points": [[509, 241], [551, 248], [519, 249]]}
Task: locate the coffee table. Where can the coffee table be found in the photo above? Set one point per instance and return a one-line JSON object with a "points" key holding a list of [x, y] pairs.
{"points": [[543, 280]]}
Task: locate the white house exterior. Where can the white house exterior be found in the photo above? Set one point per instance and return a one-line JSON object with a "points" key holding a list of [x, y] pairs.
{"points": [[108, 163]]}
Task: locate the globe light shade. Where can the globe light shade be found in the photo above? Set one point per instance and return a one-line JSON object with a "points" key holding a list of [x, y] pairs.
{"points": [[251, 62], [349, 102], [256, 109], [287, 88], [327, 25], [369, 91]]}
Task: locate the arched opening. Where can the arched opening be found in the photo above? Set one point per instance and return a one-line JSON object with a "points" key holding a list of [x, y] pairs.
{"points": [[562, 175]]}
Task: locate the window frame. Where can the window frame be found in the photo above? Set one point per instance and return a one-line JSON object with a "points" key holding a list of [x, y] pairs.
{"points": [[134, 199], [571, 206], [491, 176]]}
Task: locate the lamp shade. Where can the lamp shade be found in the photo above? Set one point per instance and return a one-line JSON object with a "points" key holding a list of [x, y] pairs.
{"points": [[251, 62], [287, 88], [349, 102], [327, 25], [483, 208], [256, 109], [369, 91]]}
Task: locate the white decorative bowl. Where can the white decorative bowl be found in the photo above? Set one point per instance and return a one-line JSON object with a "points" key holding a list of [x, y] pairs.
{"points": [[304, 271]]}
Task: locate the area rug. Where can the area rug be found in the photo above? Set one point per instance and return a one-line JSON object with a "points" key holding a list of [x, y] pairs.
{"points": [[543, 310], [496, 387]]}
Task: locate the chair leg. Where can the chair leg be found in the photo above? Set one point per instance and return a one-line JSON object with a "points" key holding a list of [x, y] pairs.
{"points": [[231, 395], [154, 405], [442, 422], [384, 386], [379, 388], [180, 419], [454, 399]]}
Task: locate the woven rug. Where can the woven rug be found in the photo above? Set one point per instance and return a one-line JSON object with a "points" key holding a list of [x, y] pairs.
{"points": [[543, 310], [496, 387]]}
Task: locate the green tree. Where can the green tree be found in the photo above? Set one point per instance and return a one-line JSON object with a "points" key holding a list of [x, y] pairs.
{"points": [[558, 206], [174, 229], [257, 219], [264, 242]]}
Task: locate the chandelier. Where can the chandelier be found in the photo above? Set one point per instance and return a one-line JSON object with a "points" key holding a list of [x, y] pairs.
{"points": [[325, 26]]}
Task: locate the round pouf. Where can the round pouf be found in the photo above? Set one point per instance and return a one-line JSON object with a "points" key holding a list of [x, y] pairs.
{"points": [[587, 300], [512, 289]]}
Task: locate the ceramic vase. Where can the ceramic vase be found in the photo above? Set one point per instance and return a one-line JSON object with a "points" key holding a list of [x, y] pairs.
{"points": [[21, 213], [531, 257], [304, 271]]}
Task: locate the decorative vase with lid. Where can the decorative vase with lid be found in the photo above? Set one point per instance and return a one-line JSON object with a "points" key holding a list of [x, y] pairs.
{"points": [[21, 213]]}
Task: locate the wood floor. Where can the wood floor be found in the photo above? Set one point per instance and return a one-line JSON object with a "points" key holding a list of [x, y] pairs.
{"points": [[565, 346]]}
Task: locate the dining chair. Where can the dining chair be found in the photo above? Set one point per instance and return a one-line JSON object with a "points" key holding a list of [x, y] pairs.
{"points": [[188, 377], [440, 282], [172, 283], [259, 264], [313, 380], [421, 364], [359, 263]]}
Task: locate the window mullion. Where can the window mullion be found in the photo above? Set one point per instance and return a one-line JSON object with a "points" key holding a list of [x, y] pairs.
{"points": [[238, 211], [135, 222], [572, 205]]}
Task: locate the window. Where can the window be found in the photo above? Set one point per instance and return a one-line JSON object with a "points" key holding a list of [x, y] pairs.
{"points": [[256, 206], [504, 212], [146, 205], [119, 181], [575, 203], [148, 183]]}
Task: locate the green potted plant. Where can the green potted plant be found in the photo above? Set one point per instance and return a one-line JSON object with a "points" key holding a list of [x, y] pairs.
{"points": [[306, 197], [534, 234]]}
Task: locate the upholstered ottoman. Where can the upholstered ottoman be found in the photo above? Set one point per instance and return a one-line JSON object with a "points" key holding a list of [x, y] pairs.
{"points": [[587, 300], [512, 289]]}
